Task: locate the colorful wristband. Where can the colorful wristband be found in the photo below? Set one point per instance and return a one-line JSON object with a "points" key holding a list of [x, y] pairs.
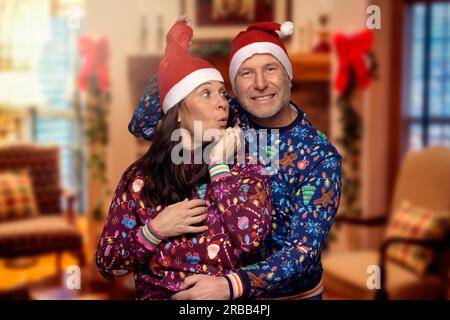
{"points": [[230, 287], [150, 235], [236, 283], [218, 171], [144, 242], [155, 232]]}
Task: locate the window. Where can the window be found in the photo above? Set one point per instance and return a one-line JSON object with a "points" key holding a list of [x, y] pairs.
{"points": [[427, 75], [41, 54]]}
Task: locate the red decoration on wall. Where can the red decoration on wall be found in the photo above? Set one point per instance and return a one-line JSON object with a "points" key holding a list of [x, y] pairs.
{"points": [[95, 55], [352, 52]]}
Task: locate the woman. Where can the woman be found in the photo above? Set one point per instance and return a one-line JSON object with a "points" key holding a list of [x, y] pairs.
{"points": [[152, 229]]}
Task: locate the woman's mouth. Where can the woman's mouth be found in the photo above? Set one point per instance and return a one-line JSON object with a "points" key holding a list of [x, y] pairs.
{"points": [[223, 122]]}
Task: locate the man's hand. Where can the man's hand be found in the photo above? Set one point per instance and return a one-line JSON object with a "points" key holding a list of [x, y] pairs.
{"points": [[203, 287]]}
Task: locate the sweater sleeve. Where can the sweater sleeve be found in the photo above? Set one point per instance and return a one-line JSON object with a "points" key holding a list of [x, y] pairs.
{"points": [[148, 112], [125, 242], [243, 199]]}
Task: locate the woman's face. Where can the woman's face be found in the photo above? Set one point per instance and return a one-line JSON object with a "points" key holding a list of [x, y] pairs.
{"points": [[207, 104]]}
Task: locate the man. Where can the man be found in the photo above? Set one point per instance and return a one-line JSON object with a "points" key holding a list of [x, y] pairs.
{"points": [[306, 186]]}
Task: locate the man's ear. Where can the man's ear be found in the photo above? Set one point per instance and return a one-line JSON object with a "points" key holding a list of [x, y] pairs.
{"points": [[290, 83], [290, 80]]}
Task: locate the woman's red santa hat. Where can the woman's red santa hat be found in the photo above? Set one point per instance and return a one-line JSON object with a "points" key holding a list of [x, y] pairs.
{"points": [[179, 73], [261, 37]]}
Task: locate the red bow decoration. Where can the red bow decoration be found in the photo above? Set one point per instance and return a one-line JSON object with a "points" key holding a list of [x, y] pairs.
{"points": [[95, 55], [352, 52]]}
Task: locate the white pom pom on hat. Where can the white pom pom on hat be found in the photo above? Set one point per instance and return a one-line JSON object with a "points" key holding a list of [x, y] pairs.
{"points": [[286, 29]]}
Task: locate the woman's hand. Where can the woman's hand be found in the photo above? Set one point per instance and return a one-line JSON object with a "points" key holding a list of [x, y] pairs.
{"points": [[179, 218], [226, 146]]}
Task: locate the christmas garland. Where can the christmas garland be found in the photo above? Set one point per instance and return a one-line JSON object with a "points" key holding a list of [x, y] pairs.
{"points": [[94, 81], [357, 68]]}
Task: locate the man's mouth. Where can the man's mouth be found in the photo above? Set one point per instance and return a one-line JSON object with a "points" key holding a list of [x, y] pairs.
{"points": [[263, 98]]}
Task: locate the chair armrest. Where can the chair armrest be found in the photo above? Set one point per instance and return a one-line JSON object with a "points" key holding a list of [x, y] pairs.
{"points": [[432, 244], [365, 222], [436, 245], [70, 209]]}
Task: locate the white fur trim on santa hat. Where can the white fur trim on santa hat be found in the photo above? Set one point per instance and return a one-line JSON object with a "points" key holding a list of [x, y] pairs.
{"points": [[185, 86], [258, 47]]}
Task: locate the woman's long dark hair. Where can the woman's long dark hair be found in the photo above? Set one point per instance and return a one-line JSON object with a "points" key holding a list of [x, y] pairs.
{"points": [[168, 183]]}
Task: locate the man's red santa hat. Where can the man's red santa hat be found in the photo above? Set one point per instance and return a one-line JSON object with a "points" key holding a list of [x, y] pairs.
{"points": [[179, 73], [261, 37]]}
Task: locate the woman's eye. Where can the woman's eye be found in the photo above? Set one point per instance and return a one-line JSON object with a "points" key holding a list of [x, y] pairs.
{"points": [[205, 94], [223, 93], [245, 73]]}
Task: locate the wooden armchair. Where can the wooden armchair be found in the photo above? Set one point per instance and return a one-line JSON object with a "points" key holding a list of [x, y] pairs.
{"points": [[423, 179], [53, 230]]}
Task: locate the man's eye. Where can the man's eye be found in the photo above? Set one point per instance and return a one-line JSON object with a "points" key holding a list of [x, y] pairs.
{"points": [[245, 73]]}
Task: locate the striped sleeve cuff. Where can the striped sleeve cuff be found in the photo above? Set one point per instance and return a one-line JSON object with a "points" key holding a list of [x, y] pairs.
{"points": [[236, 285], [230, 287], [218, 170], [149, 237]]}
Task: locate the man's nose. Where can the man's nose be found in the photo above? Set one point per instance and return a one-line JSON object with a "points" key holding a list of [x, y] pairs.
{"points": [[260, 82]]}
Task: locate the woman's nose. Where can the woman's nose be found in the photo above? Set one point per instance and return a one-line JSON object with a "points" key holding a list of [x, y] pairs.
{"points": [[222, 103], [221, 106]]}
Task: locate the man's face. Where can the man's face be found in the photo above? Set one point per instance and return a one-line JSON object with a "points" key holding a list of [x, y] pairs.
{"points": [[262, 86]]}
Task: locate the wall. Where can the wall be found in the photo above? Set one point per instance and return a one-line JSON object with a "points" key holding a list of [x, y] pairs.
{"points": [[373, 104], [376, 122], [120, 21]]}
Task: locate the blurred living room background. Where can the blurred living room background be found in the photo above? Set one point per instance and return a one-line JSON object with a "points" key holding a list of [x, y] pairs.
{"points": [[72, 73]]}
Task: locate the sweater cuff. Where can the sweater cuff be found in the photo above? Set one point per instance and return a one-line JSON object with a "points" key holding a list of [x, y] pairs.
{"points": [[149, 237], [230, 287], [236, 288], [218, 171], [246, 283]]}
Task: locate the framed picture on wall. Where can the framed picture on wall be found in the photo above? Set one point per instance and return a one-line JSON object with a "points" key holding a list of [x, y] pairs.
{"points": [[223, 19]]}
